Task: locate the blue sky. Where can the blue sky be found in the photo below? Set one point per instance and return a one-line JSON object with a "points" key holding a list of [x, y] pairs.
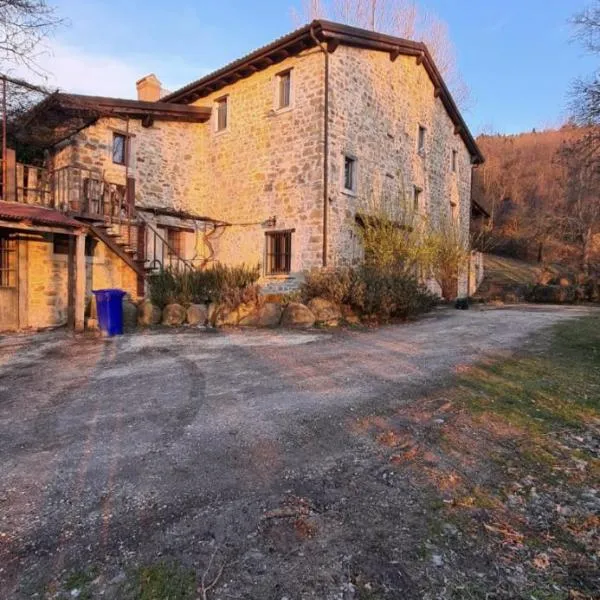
{"points": [[515, 55]]}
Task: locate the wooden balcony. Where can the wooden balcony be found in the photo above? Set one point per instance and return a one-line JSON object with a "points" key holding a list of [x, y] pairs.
{"points": [[79, 192]]}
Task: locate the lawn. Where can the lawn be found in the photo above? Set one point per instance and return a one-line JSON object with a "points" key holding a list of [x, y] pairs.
{"points": [[533, 421]]}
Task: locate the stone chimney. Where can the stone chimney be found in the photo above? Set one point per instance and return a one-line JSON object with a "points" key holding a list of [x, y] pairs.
{"points": [[149, 88]]}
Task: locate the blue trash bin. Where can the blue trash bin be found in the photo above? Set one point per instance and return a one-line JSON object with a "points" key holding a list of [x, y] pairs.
{"points": [[109, 304]]}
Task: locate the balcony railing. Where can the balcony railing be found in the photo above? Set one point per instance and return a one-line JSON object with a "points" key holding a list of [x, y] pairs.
{"points": [[70, 189]]}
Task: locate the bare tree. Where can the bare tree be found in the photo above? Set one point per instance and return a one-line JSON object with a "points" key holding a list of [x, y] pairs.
{"points": [[402, 18], [23, 25], [586, 91]]}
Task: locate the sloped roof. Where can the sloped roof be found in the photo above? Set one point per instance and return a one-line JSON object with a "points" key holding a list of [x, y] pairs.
{"points": [[61, 115], [333, 34], [36, 215]]}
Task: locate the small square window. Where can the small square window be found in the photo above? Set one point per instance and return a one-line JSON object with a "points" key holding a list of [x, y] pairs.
{"points": [[421, 140], [119, 149], [279, 252], [222, 113], [417, 198], [454, 160], [349, 174], [284, 90]]}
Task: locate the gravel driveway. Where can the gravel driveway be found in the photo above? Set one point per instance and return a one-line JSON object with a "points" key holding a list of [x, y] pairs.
{"points": [[174, 445]]}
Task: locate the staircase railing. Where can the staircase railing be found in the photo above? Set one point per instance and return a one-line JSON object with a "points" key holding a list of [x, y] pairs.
{"points": [[159, 253]]}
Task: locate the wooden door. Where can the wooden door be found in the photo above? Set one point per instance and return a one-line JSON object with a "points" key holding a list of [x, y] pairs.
{"points": [[9, 294]]}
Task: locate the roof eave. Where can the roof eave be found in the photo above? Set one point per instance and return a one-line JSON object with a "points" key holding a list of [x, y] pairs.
{"points": [[323, 31]]}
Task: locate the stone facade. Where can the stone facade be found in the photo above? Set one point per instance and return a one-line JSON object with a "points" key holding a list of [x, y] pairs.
{"points": [[376, 108], [45, 274], [264, 172]]}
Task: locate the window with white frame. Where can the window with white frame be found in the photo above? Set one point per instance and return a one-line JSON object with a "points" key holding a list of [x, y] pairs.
{"points": [[421, 139], [222, 110], [349, 174], [284, 90]]}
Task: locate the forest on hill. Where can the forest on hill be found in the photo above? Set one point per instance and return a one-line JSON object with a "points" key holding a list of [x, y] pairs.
{"points": [[542, 191]]}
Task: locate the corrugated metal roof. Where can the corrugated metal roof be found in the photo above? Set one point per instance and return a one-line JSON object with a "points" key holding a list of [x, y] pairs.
{"points": [[36, 215]]}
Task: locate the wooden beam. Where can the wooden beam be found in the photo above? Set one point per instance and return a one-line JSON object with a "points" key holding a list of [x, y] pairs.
{"points": [[394, 54], [437, 92], [420, 58], [21, 226], [80, 282], [332, 45], [458, 129], [147, 121]]}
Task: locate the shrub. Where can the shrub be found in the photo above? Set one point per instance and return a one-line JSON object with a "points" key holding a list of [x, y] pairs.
{"points": [[221, 283], [371, 290], [388, 294], [334, 285]]}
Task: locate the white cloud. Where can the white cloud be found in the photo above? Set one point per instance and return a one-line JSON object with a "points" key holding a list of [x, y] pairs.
{"points": [[72, 69]]}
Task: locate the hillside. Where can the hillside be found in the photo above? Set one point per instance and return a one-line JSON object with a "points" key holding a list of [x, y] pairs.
{"points": [[541, 190]]}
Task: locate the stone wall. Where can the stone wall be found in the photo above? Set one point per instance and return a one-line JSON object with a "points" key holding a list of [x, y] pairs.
{"points": [[47, 283], [47, 279], [376, 107], [269, 163]]}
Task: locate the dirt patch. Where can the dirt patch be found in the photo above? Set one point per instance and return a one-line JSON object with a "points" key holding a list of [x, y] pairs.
{"points": [[347, 465]]}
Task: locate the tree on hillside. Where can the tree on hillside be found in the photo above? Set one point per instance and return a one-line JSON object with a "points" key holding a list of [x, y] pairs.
{"points": [[402, 18], [586, 102], [23, 26], [580, 214]]}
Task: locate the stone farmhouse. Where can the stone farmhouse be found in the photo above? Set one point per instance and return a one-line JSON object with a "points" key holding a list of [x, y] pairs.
{"points": [[271, 159]]}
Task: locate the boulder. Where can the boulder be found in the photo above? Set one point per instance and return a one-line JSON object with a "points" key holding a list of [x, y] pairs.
{"points": [[325, 311], [225, 316], [148, 314], [197, 314], [173, 315], [297, 315], [269, 314], [246, 310], [349, 315], [213, 308], [130, 314]]}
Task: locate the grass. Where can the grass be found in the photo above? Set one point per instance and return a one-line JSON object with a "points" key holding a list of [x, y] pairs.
{"points": [[559, 387], [162, 581], [536, 417]]}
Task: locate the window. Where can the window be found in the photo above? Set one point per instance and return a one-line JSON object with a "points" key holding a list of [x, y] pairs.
{"points": [[119, 149], [284, 90], [349, 174], [421, 140], [279, 252], [60, 244], [417, 198], [454, 160], [222, 113], [175, 242], [8, 264]]}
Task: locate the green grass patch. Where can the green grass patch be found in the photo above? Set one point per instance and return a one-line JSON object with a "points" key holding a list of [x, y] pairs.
{"points": [[559, 387], [162, 581]]}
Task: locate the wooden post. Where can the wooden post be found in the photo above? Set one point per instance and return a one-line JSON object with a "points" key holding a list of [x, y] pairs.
{"points": [[10, 176], [23, 275], [80, 277]]}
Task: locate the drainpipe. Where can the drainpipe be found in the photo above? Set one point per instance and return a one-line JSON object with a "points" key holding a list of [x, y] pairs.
{"points": [[325, 143]]}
